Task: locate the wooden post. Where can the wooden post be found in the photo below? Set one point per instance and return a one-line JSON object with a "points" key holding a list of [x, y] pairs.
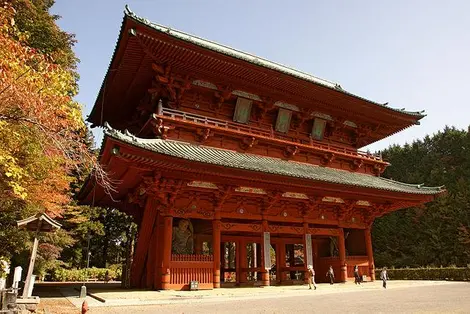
{"points": [[237, 261], [159, 252], [166, 252], [152, 258], [216, 250], [32, 261], [282, 262], [143, 240], [243, 261], [264, 271], [370, 253], [342, 256]]}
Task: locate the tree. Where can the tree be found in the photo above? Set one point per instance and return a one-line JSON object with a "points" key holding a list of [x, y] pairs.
{"points": [[437, 233]]}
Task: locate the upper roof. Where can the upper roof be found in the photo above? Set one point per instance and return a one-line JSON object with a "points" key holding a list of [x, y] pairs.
{"points": [[235, 53], [142, 43], [257, 163]]}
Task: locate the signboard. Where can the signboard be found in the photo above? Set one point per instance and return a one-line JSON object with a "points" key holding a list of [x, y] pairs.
{"points": [[308, 250], [267, 250]]}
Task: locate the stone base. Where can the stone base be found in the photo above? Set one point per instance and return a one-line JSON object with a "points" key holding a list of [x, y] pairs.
{"points": [[28, 305]]}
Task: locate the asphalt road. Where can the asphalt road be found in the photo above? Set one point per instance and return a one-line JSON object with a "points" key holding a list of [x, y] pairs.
{"points": [[449, 298]]}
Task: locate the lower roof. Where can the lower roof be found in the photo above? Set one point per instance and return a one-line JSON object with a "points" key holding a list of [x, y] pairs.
{"points": [[257, 163]]}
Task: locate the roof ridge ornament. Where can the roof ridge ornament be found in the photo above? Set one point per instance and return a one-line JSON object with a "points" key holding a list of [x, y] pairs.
{"points": [[128, 11]]}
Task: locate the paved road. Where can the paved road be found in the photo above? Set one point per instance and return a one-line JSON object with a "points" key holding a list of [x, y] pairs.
{"points": [[448, 298]]}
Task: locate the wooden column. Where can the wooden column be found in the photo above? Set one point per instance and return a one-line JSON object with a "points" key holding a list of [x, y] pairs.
{"points": [[342, 256], [152, 258], [237, 261], [143, 241], [243, 261], [166, 251], [370, 253], [216, 250], [159, 252], [282, 261], [264, 271]]}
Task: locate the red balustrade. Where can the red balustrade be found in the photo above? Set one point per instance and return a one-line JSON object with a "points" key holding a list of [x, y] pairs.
{"points": [[186, 268], [267, 132]]}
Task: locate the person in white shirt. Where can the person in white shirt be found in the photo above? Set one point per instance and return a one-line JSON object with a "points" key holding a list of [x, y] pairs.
{"points": [[311, 277], [384, 277]]}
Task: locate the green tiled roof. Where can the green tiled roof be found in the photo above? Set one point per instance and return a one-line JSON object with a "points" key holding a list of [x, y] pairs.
{"points": [[234, 53], [232, 159]]}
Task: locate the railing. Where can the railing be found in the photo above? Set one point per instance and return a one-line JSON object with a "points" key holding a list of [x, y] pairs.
{"points": [[186, 268], [267, 132], [186, 116], [191, 258]]}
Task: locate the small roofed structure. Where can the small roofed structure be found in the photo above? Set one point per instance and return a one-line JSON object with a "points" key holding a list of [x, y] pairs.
{"points": [[44, 222], [38, 223]]}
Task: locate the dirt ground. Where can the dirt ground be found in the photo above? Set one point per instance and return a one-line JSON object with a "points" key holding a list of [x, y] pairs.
{"points": [[451, 298]]}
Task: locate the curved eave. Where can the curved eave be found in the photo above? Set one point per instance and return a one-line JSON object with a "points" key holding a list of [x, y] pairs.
{"points": [[374, 140], [268, 165]]}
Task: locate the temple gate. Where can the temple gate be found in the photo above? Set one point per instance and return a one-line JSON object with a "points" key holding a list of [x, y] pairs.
{"points": [[239, 171]]}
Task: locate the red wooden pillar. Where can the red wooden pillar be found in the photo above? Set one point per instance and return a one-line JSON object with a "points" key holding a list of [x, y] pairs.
{"points": [[237, 261], [166, 251], [216, 250], [152, 257], [144, 237], [159, 252], [243, 261], [281, 262], [264, 271], [342, 256], [370, 253]]}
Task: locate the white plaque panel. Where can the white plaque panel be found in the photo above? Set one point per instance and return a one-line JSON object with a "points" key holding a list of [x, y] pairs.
{"points": [[267, 250], [308, 250]]}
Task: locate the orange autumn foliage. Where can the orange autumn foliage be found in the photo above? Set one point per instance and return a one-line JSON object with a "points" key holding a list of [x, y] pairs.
{"points": [[41, 128]]}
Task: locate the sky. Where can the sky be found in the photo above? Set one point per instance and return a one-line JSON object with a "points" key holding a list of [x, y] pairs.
{"points": [[412, 54]]}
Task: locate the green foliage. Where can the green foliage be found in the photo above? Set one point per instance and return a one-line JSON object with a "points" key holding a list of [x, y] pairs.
{"points": [[443, 273], [33, 18], [107, 229], [438, 233], [61, 274]]}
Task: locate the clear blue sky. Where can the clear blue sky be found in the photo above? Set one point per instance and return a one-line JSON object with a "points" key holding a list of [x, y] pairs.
{"points": [[412, 54]]}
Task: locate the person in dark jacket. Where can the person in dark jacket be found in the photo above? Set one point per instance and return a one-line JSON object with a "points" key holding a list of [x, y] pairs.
{"points": [[357, 277], [331, 275]]}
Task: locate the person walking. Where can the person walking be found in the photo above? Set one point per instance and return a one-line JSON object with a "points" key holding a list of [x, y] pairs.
{"points": [[331, 275], [311, 277], [384, 277], [357, 277]]}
